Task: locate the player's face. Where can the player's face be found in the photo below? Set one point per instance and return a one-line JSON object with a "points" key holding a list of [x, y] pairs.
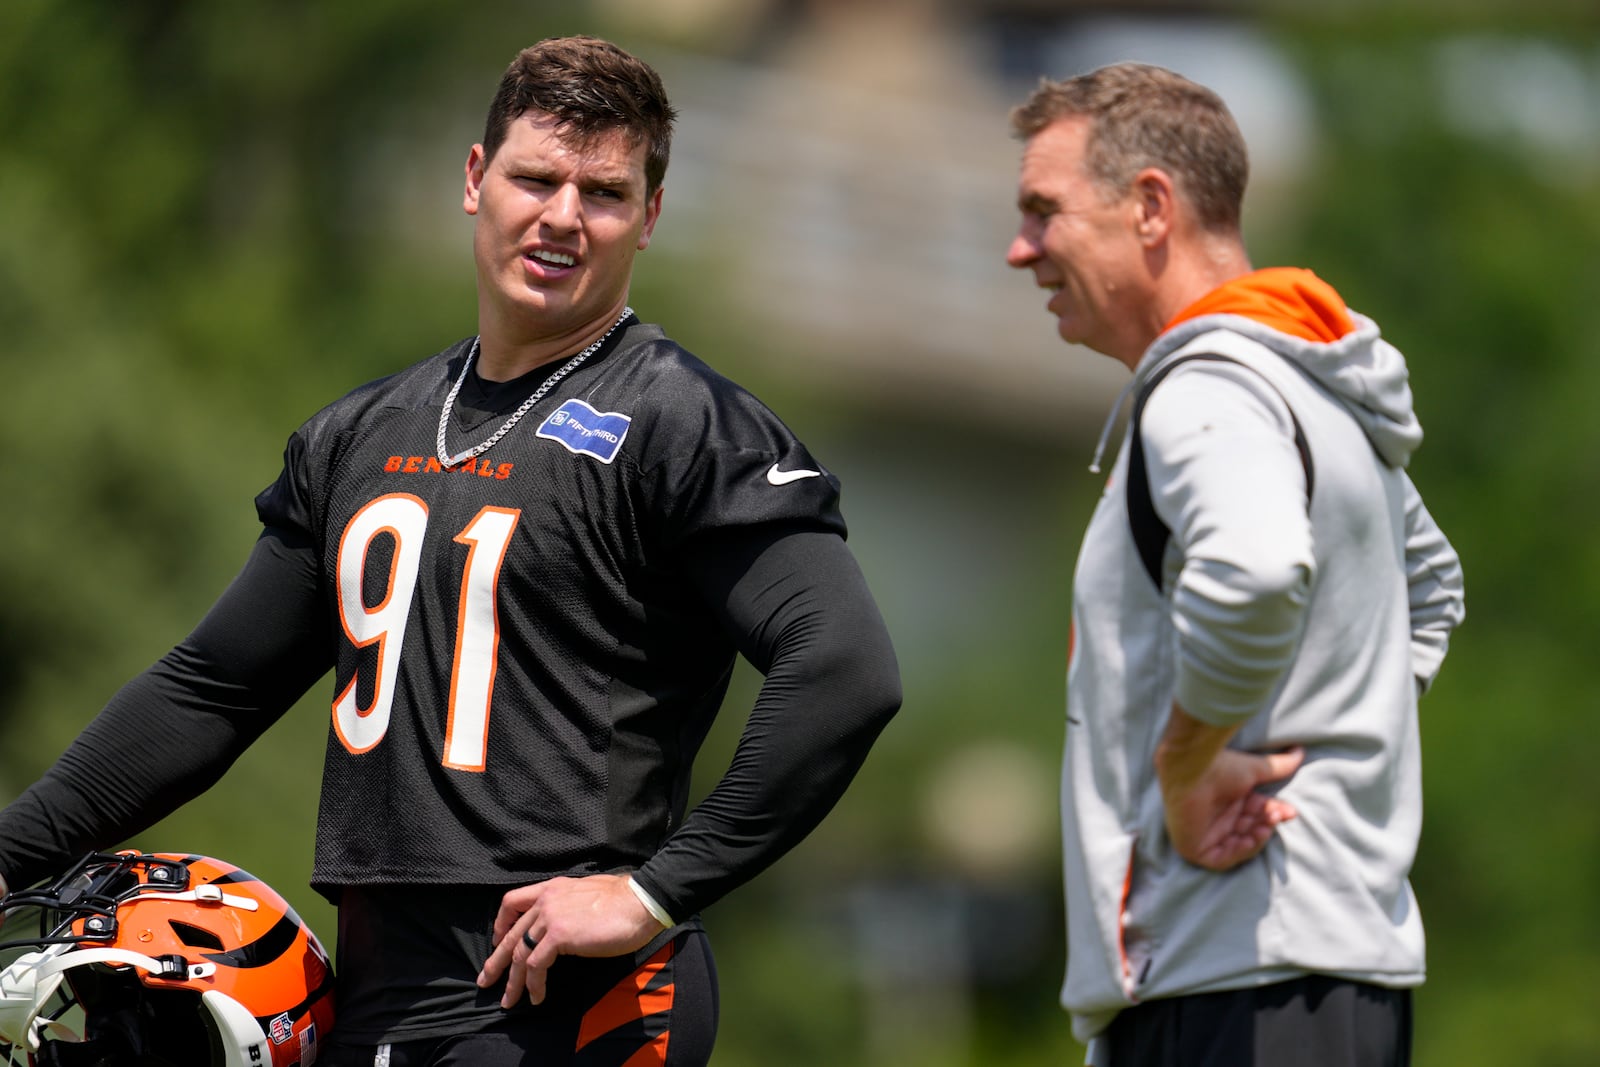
{"points": [[1081, 246], [558, 225]]}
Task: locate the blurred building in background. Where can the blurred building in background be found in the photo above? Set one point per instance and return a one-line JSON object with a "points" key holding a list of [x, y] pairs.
{"points": [[848, 173]]}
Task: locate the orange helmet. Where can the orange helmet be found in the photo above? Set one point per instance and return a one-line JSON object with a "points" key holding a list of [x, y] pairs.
{"points": [[160, 959]]}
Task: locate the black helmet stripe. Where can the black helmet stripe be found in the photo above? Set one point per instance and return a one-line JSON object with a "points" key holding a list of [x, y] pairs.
{"points": [[234, 878], [301, 1009], [263, 950]]}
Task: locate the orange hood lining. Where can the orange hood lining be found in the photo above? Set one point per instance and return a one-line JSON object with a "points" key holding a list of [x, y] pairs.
{"points": [[1291, 300]]}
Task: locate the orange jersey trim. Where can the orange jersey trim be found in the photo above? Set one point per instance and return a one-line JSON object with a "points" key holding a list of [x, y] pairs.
{"points": [[1290, 300]]}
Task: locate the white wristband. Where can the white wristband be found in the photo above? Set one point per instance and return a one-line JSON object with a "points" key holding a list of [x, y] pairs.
{"points": [[657, 912]]}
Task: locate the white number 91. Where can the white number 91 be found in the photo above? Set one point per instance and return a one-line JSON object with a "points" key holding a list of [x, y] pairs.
{"points": [[404, 518]]}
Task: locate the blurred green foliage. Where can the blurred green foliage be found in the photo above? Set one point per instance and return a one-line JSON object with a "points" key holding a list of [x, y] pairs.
{"points": [[216, 217]]}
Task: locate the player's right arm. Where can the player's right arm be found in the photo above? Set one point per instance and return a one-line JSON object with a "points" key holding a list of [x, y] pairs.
{"points": [[169, 734]]}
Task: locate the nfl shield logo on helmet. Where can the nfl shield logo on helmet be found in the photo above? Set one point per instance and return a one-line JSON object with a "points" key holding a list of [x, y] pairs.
{"points": [[281, 1028]]}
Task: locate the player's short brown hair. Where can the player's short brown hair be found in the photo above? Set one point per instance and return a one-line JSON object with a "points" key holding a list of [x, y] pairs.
{"points": [[592, 88], [1147, 116]]}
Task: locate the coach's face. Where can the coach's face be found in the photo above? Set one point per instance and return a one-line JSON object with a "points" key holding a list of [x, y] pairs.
{"points": [[1083, 246], [558, 223]]}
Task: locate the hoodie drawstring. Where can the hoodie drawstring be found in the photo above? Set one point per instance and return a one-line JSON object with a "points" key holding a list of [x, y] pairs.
{"points": [[1111, 421]]}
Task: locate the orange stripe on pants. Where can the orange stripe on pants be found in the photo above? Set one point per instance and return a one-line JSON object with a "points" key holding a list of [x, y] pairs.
{"points": [[629, 1000]]}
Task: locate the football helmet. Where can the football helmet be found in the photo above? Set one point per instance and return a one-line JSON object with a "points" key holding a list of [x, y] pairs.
{"points": [[159, 960]]}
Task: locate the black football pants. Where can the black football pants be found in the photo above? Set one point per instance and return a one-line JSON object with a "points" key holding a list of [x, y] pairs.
{"points": [[662, 1015]]}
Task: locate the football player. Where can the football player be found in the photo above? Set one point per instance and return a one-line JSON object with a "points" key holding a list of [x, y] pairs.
{"points": [[530, 561]]}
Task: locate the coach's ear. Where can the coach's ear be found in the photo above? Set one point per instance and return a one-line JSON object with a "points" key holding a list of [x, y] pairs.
{"points": [[1153, 201], [477, 162]]}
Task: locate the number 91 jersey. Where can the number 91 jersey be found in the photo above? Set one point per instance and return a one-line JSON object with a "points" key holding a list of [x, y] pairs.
{"points": [[524, 666]]}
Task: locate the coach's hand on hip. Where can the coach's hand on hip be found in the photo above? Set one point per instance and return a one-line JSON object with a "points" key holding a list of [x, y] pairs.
{"points": [[1215, 814], [593, 916]]}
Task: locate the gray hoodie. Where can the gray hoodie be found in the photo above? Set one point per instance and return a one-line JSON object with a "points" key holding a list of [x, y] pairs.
{"points": [[1314, 624]]}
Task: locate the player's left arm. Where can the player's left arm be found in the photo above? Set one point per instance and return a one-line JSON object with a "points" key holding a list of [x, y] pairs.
{"points": [[799, 610]]}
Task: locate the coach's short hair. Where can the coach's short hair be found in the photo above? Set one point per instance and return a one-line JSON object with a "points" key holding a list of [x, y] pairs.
{"points": [[1147, 116], [591, 88]]}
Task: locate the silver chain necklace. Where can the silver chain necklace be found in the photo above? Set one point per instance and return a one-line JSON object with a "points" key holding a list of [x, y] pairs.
{"points": [[516, 416]]}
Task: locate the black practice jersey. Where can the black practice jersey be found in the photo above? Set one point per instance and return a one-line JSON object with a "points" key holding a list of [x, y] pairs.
{"points": [[523, 670], [527, 649]]}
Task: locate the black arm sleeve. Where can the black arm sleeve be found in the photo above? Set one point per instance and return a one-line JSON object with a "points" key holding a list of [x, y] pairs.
{"points": [[171, 733], [800, 612]]}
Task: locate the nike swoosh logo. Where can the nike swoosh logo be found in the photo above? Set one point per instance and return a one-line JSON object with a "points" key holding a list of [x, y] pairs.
{"points": [[778, 477]]}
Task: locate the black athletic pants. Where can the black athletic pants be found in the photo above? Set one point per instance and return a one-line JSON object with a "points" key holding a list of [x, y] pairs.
{"points": [[1308, 1022], [662, 1014]]}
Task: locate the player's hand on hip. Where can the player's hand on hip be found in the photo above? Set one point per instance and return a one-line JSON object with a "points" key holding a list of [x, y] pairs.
{"points": [[1218, 819], [593, 916]]}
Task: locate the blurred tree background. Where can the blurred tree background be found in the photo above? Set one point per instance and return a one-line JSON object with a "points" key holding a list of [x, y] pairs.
{"points": [[216, 217]]}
